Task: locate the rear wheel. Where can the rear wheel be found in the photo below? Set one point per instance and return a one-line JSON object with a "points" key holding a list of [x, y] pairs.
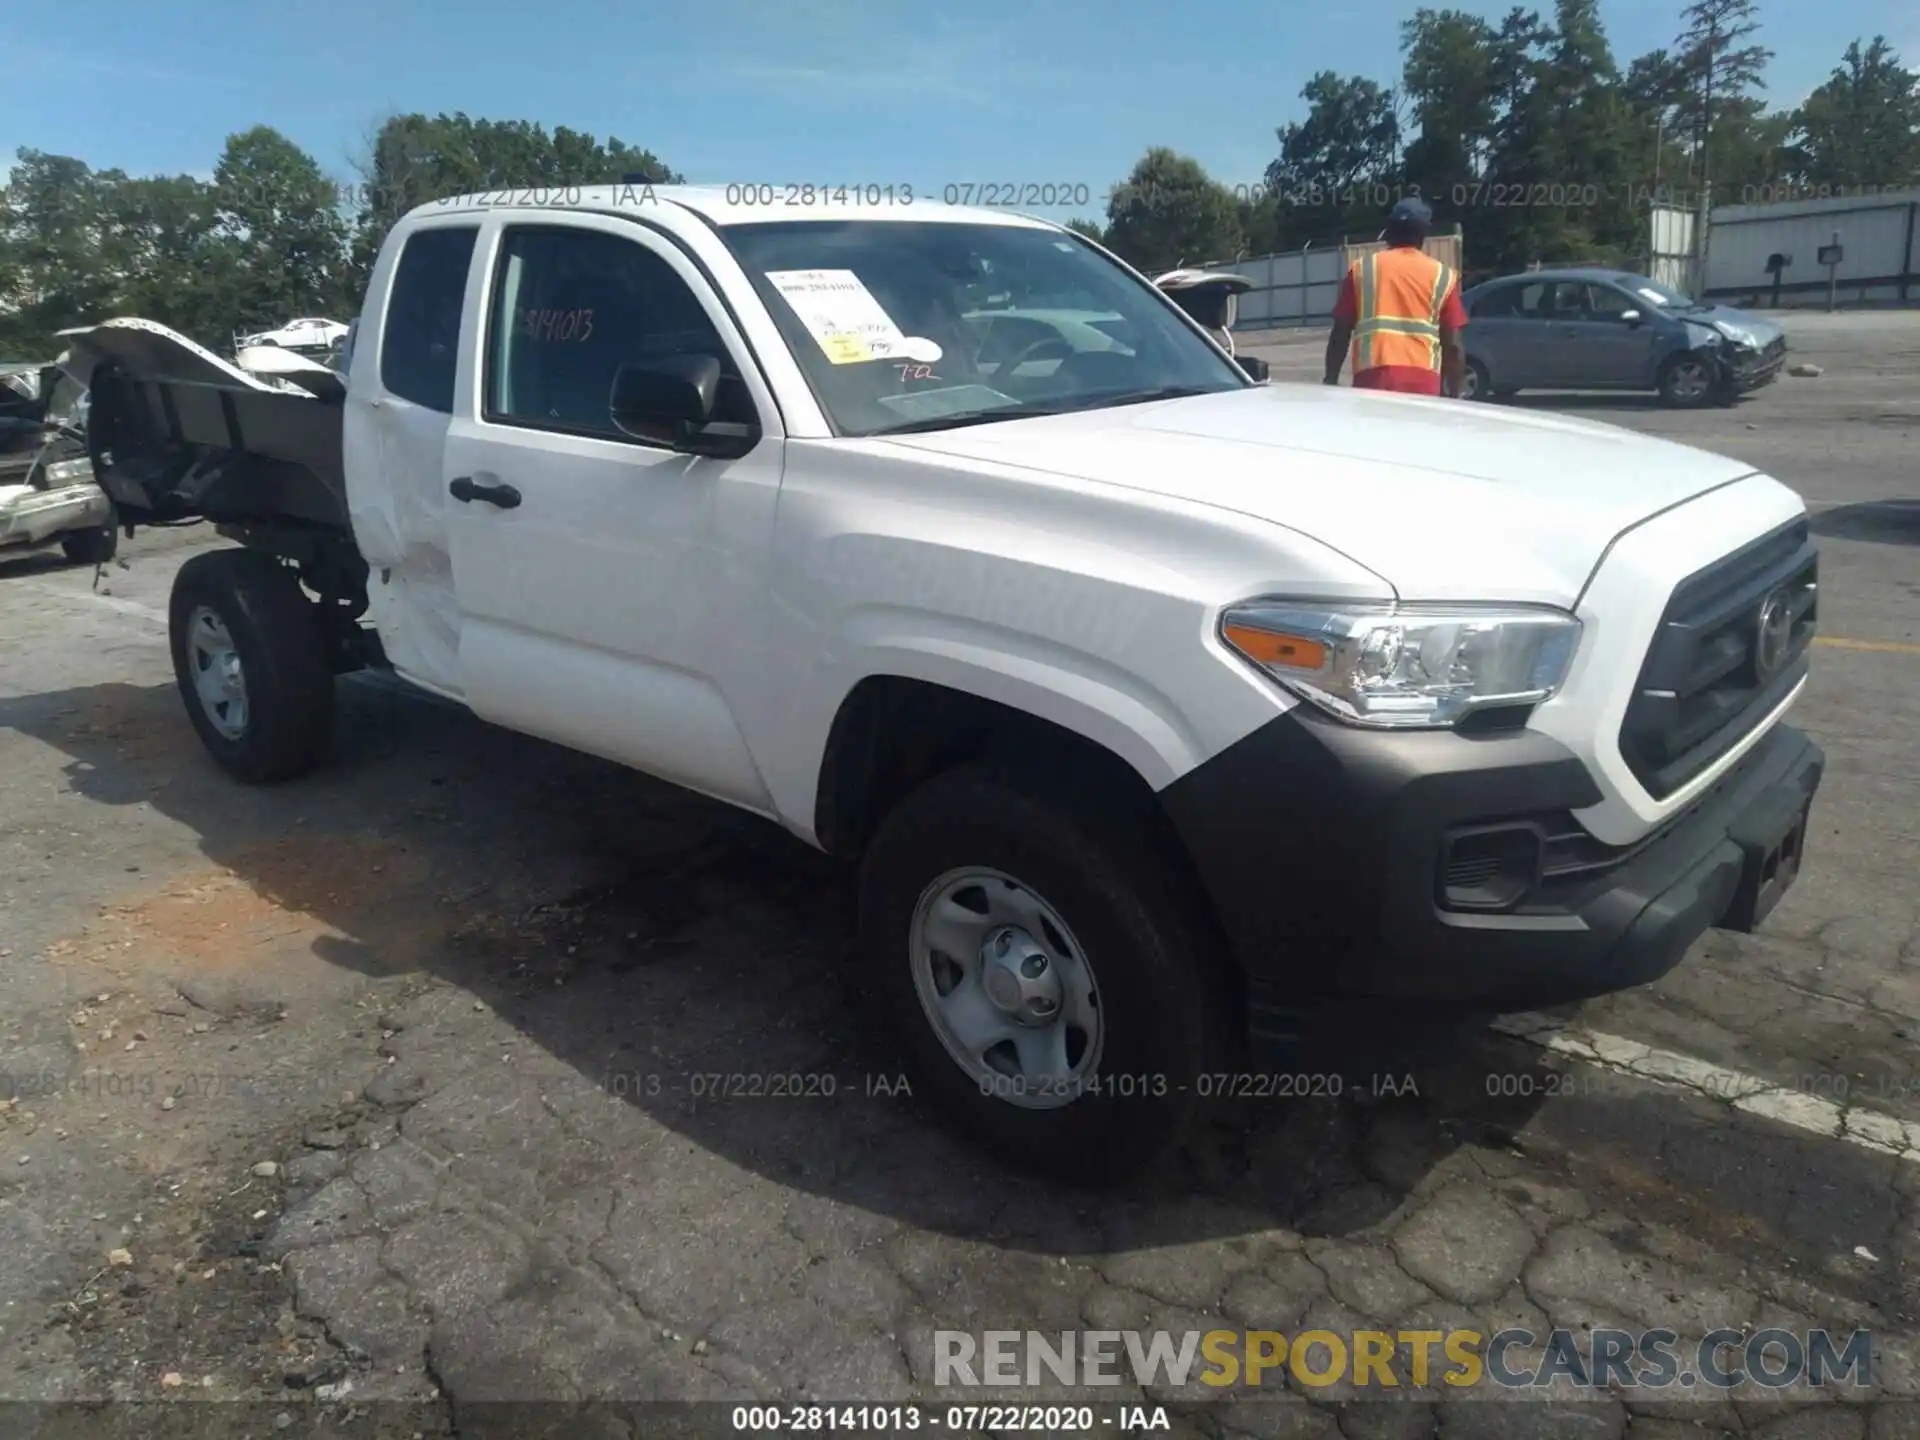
{"points": [[1040, 973], [251, 661], [92, 547]]}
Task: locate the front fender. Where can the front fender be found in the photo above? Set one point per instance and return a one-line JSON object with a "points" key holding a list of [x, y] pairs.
{"points": [[1119, 709]]}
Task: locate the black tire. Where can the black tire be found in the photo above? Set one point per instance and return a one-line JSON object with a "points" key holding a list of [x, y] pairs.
{"points": [[1163, 1002], [276, 634], [92, 547], [1479, 381], [1677, 387]]}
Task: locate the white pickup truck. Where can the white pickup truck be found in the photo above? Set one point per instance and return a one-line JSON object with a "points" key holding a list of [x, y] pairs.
{"points": [[1163, 714]]}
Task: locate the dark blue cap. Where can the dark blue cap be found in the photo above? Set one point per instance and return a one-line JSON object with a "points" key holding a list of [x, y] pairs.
{"points": [[1410, 211]]}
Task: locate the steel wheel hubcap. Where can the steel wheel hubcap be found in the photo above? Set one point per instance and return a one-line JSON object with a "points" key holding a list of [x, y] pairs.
{"points": [[218, 679], [1689, 380], [1006, 987]]}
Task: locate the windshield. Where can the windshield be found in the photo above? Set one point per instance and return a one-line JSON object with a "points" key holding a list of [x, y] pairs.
{"points": [[924, 325], [1654, 293]]}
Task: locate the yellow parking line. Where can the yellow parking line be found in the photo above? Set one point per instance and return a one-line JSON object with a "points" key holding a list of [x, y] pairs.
{"points": [[1891, 647]]}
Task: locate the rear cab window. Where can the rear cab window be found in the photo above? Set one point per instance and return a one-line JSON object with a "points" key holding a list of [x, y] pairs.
{"points": [[420, 337]]}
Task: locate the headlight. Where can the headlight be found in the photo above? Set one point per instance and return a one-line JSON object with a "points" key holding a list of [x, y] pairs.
{"points": [[69, 472], [1411, 665]]}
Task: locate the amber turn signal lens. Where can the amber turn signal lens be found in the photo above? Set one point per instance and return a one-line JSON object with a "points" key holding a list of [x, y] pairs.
{"points": [[1268, 647]]}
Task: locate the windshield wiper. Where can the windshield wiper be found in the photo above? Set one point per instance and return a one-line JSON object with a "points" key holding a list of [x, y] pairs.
{"points": [[1142, 397], [962, 418], [1026, 412]]}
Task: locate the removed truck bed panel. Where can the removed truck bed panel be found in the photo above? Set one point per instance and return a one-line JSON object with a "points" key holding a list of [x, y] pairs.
{"points": [[178, 432]]}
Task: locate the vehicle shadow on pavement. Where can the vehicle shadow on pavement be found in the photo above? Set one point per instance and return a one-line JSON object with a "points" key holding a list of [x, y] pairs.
{"points": [[34, 562], [659, 951], [1885, 522]]}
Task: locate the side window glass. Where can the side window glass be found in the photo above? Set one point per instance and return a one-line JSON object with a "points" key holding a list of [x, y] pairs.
{"points": [[1536, 301], [420, 349], [1570, 301], [1496, 304], [570, 307], [1608, 303]]}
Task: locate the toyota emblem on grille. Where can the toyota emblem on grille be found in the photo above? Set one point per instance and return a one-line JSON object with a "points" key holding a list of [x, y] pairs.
{"points": [[1774, 634]]}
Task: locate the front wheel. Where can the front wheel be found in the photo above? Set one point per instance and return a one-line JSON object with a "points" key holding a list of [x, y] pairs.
{"points": [[1475, 383], [251, 661], [1040, 973], [1688, 381]]}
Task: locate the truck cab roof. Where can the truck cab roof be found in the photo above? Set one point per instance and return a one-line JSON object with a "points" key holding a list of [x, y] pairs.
{"points": [[742, 204]]}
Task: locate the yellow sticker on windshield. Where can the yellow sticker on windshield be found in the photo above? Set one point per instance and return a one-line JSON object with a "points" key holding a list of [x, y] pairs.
{"points": [[844, 349]]}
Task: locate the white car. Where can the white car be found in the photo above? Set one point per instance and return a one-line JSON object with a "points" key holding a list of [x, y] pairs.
{"points": [[1161, 714], [308, 333]]}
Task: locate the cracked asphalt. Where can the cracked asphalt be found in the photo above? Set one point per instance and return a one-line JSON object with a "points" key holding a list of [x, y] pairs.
{"points": [[399, 1098]]}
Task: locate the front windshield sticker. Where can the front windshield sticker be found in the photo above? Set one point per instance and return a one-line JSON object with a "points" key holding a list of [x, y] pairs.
{"points": [[842, 315]]}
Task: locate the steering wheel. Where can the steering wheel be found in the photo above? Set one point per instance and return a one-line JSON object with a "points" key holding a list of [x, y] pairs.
{"points": [[1004, 370]]}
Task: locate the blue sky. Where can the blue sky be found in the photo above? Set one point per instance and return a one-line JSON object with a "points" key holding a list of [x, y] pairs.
{"points": [[1067, 92]]}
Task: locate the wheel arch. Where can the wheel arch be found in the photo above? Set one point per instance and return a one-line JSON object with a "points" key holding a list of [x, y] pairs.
{"points": [[894, 732]]}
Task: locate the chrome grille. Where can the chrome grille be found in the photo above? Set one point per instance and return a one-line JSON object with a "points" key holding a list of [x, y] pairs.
{"points": [[1731, 645]]}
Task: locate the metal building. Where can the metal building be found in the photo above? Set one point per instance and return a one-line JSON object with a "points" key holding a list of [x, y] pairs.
{"points": [[1877, 257], [1299, 287]]}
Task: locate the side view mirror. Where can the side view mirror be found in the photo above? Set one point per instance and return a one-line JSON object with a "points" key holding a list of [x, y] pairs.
{"points": [[677, 395], [1256, 368], [1630, 317]]}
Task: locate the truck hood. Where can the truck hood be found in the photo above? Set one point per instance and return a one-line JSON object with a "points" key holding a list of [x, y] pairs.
{"points": [[1443, 500]]}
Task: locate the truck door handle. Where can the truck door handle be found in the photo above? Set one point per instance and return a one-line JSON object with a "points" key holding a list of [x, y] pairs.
{"points": [[466, 488]]}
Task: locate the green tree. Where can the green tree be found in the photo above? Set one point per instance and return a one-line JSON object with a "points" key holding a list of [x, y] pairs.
{"points": [[1448, 81], [1863, 126], [1591, 142], [52, 262], [1335, 166], [1089, 228], [279, 238], [1717, 69], [1524, 156], [413, 159], [1655, 91], [1351, 136], [158, 239], [1169, 211]]}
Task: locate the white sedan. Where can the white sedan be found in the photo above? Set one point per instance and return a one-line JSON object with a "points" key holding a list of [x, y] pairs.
{"points": [[311, 333]]}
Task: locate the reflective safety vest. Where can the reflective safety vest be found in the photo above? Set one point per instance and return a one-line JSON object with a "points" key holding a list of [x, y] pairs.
{"points": [[1400, 292]]}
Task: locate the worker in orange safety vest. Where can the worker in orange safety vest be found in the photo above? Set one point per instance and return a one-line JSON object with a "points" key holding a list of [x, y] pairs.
{"points": [[1399, 309]]}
